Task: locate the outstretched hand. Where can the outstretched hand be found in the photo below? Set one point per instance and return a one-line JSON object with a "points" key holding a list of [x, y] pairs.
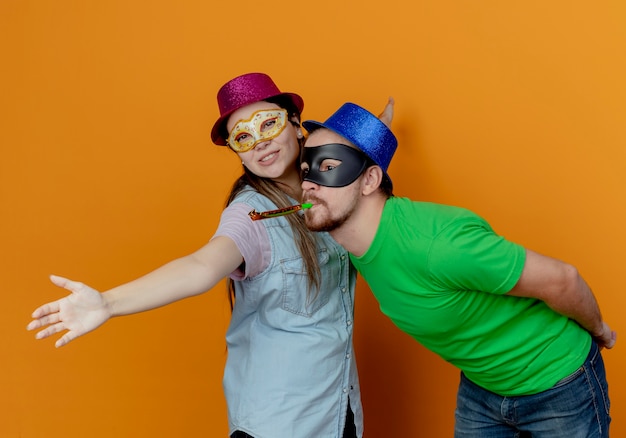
{"points": [[80, 312]]}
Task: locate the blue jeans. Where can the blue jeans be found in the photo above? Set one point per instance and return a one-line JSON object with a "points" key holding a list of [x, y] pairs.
{"points": [[576, 407]]}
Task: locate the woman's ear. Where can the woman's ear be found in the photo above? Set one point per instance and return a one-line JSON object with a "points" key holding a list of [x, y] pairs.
{"points": [[295, 121], [372, 179]]}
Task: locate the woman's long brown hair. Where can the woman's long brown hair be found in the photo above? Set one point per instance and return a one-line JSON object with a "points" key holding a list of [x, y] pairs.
{"points": [[304, 239]]}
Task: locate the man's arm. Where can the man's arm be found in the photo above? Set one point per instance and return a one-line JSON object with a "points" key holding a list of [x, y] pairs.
{"points": [[560, 286]]}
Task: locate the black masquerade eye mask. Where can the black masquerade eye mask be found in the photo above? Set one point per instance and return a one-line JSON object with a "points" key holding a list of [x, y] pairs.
{"points": [[353, 163]]}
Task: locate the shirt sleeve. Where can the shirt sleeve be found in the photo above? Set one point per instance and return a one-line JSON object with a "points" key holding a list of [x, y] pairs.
{"points": [[251, 239], [469, 255]]}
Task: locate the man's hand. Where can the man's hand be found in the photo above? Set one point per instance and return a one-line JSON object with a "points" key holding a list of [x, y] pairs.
{"points": [[607, 338]]}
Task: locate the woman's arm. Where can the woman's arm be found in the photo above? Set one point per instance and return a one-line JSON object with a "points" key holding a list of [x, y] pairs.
{"points": [[85, 309]]}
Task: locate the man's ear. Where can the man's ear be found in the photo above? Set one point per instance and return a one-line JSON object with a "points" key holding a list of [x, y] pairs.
{"points": [[372, 179]]}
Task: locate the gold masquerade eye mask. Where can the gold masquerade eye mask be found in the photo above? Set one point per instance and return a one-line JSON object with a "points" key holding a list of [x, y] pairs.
{"points": [[263, 125]]}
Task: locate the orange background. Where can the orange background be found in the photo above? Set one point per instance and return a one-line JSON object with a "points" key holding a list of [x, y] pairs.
{"points": [[515, 110]]}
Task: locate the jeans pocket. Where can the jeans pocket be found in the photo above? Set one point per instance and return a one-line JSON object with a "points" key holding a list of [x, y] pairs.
{"points": [[570, 378], [598, 373]]}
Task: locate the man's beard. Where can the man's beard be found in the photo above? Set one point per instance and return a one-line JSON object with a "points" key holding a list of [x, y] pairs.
{"points": [[329, 223]]}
